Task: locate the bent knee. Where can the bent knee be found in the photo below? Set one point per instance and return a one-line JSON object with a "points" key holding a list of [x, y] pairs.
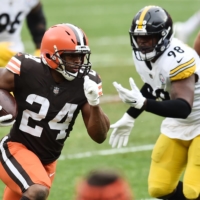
{"points": [[159, 191], [190, 191], [38, 192]]}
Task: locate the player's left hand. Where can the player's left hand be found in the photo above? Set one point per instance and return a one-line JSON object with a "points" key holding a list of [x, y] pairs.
{"points": [[91, 91], [132, 97], [37, 53], [4, 118], [121, 131]]}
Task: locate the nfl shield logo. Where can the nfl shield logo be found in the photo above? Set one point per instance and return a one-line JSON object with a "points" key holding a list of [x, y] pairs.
{"points": [[162, 79], [56, 90]]}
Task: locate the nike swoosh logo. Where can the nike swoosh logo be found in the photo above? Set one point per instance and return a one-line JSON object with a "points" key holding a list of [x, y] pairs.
{"points": [[131, 101], [178, 61], [50, 175]]}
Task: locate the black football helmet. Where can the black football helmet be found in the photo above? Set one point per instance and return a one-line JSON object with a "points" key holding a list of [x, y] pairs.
{"points": [[151, 21]]}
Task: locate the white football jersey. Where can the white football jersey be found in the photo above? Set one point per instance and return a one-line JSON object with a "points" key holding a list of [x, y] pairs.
{"points": [[179, 61], [12, 15]]}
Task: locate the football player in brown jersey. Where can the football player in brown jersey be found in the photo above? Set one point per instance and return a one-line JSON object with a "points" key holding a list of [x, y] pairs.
{"points": [[50, 92]]}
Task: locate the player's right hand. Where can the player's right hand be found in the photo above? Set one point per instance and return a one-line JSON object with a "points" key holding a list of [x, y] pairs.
{"points": [[122, 129], [5, 53], [4, 118], [132, 97], [91, 91]]}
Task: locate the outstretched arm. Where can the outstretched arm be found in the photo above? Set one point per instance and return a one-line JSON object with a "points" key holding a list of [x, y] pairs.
{"points": [[179, 106], [96, 122], [122, 128]]}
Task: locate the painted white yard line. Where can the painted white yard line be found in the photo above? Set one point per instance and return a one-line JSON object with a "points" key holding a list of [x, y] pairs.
{"points": [[110, 40], [102, 58], [110, 98], [100, 41], [107, 152]]}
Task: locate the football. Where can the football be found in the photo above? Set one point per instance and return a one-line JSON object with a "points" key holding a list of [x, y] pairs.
{"points": [[9, 105]]}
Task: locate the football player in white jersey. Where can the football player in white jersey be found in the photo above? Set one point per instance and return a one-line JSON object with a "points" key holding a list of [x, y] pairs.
{"points": [[170, 71], [12, 15]]}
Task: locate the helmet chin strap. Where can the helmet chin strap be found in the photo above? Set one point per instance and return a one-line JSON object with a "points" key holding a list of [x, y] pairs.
{"points": [[67, 74], [61, 69], [148, 56]]}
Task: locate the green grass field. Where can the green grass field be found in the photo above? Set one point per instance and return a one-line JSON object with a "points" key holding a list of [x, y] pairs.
{"points": [[106, 23]]}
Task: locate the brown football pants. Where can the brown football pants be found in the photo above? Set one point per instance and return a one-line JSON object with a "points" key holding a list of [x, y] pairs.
{"points": [[20, 168]]}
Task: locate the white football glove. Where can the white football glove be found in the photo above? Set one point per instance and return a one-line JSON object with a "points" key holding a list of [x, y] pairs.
{"points": [[91, 91], [122, 129], [132, 97], [4, 118]]}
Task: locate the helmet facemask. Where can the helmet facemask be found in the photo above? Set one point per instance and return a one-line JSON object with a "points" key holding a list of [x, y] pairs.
{"points": [[150, 52], [72, 70]]}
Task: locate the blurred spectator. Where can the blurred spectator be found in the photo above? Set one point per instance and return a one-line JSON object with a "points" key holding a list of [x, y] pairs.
{"points": [[183, 30], [103, 184]]}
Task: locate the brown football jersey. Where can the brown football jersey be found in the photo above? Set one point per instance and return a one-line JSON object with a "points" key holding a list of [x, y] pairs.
{"points": [[46, 110]]}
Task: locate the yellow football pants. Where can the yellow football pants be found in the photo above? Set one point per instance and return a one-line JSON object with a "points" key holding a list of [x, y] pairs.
{"points": [[169, 159]]}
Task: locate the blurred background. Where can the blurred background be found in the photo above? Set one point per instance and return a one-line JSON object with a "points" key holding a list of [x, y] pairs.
{"points": [[106, 23]]}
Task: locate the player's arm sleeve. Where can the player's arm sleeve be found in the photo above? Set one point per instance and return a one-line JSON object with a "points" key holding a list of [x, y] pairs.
{"points": [[36, 23], [176, 108], [14, 65], [134, 112]]}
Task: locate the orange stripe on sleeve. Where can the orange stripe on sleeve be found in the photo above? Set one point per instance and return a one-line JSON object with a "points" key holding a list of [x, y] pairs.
{"points": [[100, 89], [14, 65], [12, 69]]}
